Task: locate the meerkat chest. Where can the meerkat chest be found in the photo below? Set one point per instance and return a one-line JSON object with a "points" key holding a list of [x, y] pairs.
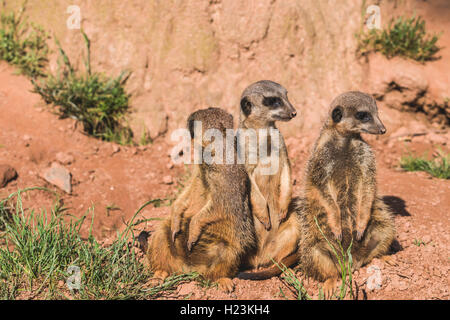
{"points": [[349, 170], [265, 181]]}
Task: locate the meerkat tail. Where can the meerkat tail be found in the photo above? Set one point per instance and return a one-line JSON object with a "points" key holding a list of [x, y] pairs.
{"points": [[270, 272]]}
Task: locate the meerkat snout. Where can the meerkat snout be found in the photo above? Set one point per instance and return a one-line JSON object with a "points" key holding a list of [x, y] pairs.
{"points": [[356, 112]]}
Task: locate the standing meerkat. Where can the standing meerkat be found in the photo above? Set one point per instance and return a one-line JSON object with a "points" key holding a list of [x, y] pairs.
{"points": [[262, 104], [211, 227], [341, 194]]}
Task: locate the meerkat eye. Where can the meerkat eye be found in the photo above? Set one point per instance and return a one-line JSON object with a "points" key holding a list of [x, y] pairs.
{"points": [[363, 116], [273, 102]]}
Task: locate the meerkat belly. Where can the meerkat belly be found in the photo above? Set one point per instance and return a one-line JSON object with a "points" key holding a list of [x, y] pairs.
{"points": [[269, 186], [345, 180]]}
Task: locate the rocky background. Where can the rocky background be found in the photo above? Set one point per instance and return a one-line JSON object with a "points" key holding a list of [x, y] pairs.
{"points": [[186, 55]]}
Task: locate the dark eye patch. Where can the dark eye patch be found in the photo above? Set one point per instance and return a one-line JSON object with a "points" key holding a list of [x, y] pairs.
{"points": [[363, 116], [336, 114], [273, 102]]}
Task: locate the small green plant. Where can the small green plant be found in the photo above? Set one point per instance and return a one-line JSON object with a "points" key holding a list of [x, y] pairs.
{"points": [[23, 45], [145, 138], [419, 242], [345, 261], [403, 37], [439, 167], [292, 280], [37, 250], [100, 103]]}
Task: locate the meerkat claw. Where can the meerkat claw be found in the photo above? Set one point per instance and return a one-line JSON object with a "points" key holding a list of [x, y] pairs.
{"points": [[174, 235], [359, 235], [337, 234], [190, 244], [283, 215], [267, 224]]}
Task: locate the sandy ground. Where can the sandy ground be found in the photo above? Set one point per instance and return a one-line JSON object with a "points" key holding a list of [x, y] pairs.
{"points": [[105, 176]]}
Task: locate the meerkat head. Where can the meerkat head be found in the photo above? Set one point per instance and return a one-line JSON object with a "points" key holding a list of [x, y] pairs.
{"points": [[266, 101], [355, 112], [211, 118]]}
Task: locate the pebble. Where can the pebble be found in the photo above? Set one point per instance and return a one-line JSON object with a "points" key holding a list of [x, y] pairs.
{"points": [[58, 176], [7, 174], [167, 180]]}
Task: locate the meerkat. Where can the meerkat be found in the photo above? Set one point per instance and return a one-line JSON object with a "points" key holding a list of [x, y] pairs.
{"points": [[340, 195], [215, 177], [211, 227], [261, 105]]}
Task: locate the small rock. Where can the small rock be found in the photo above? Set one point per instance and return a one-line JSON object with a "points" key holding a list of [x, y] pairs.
{"points": [[27, 139], [167, 180], [426, 239], [115, 148], [436, 138], [402, 285], [187, 288], [170, 165], [58, 176], [7, 173], [64, 158]]}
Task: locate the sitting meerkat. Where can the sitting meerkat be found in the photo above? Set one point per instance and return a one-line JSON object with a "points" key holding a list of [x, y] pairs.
{"points": [[340, 194], [211, 228], [261, 105], [219, 179]]}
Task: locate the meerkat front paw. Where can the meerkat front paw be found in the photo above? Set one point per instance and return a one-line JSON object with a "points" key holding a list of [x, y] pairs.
{"points": [[265, 222], [337, 232], [360, 232], [175, 226], [191, 243], [283, 214], [359, 235]]}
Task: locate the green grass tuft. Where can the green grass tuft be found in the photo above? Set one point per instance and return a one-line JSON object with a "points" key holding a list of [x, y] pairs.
{"points": [[439, 167], [37, 249], [403, 37], [345, 261], [292, 281], [99, 102], [419, 242], [23, 45]]}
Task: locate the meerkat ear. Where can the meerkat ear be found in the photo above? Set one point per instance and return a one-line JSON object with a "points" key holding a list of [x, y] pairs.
{"points": [[190, 125], [246, 106], [336, 114]]}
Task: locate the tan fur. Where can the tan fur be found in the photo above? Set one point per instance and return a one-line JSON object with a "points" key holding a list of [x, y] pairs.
{"points": [[340, 193], [211, 230], [274, 191]]}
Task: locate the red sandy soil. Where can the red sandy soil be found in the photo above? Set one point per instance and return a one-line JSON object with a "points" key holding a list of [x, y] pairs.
{"points": [[126, 177]]}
